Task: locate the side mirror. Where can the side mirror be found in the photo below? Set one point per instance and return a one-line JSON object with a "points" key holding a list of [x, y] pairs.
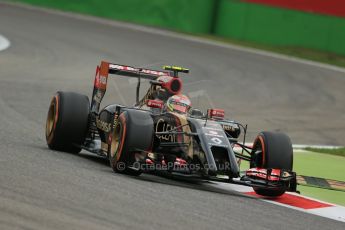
{"points": [[196, 113], [217, 114]]}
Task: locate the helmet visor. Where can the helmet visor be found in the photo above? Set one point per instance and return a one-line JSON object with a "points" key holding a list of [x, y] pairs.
{"points": [[180, 108]]}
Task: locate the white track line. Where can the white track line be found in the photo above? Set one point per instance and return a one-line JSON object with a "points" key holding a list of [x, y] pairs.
{"points": [[4, 43], [317, 146], [180, 36]]}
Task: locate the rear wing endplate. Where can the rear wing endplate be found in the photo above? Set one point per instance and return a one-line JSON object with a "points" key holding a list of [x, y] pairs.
{"points": [[106, 68]]}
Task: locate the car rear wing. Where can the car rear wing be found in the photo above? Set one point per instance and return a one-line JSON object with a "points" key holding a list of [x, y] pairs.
{"points": [[106, 68], [136, 72]]}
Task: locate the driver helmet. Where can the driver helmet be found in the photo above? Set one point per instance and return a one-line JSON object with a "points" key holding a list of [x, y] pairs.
{"points": [[179, 104]]}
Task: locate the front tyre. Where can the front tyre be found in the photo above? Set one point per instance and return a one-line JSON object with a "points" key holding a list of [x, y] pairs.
{"points": [[133, 132], [272, 150], [67, 121]]}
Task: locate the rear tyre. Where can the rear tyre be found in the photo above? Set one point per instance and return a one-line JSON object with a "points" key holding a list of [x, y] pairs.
{"points": [[132, 133], [67, 121], [272, 150]]}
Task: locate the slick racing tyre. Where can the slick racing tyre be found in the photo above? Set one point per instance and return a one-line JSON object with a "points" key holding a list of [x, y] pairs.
{"points": [[272, 150], [133, 132], [67, 121]]}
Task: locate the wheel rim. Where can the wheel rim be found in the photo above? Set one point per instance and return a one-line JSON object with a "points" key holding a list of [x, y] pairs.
{"points": [[51, 119], [115, 141], [257, 156]]}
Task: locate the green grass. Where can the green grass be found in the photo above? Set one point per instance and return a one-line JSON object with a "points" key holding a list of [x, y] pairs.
{"points": [[319, 165], [324, 166], [337, 152]]}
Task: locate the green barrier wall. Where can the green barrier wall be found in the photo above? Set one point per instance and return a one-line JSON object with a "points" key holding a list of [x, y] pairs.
{"points": [[277, 26], [227, 18], [193, 16]]}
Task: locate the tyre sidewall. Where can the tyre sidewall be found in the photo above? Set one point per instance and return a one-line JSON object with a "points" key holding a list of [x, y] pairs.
{"points": [[136, 134], [71, 121], [277, 153]]}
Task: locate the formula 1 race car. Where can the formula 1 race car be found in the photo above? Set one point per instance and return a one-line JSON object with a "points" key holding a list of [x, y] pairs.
{"points": [[163, 133]]}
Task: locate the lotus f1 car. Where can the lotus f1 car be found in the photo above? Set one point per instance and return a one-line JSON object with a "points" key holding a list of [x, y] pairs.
{"points": [[162, 132]]}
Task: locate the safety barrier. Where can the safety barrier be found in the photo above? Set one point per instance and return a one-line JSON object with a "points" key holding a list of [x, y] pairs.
{"points": [[275, 22], [278, 26]]}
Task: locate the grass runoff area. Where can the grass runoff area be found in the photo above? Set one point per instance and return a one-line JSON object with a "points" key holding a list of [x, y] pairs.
{"points": [[90, 8], [321, 165], [315, 164]]}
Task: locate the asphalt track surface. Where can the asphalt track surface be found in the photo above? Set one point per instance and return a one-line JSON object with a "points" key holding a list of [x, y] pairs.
{"points": [[43, 189]]}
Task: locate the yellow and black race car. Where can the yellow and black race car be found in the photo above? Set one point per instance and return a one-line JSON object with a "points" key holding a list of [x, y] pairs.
{"points": [[163, 133]]}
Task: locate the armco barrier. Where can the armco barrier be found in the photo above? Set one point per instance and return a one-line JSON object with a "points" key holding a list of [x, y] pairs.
{"points": [[192, 16], [277, 26]]}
